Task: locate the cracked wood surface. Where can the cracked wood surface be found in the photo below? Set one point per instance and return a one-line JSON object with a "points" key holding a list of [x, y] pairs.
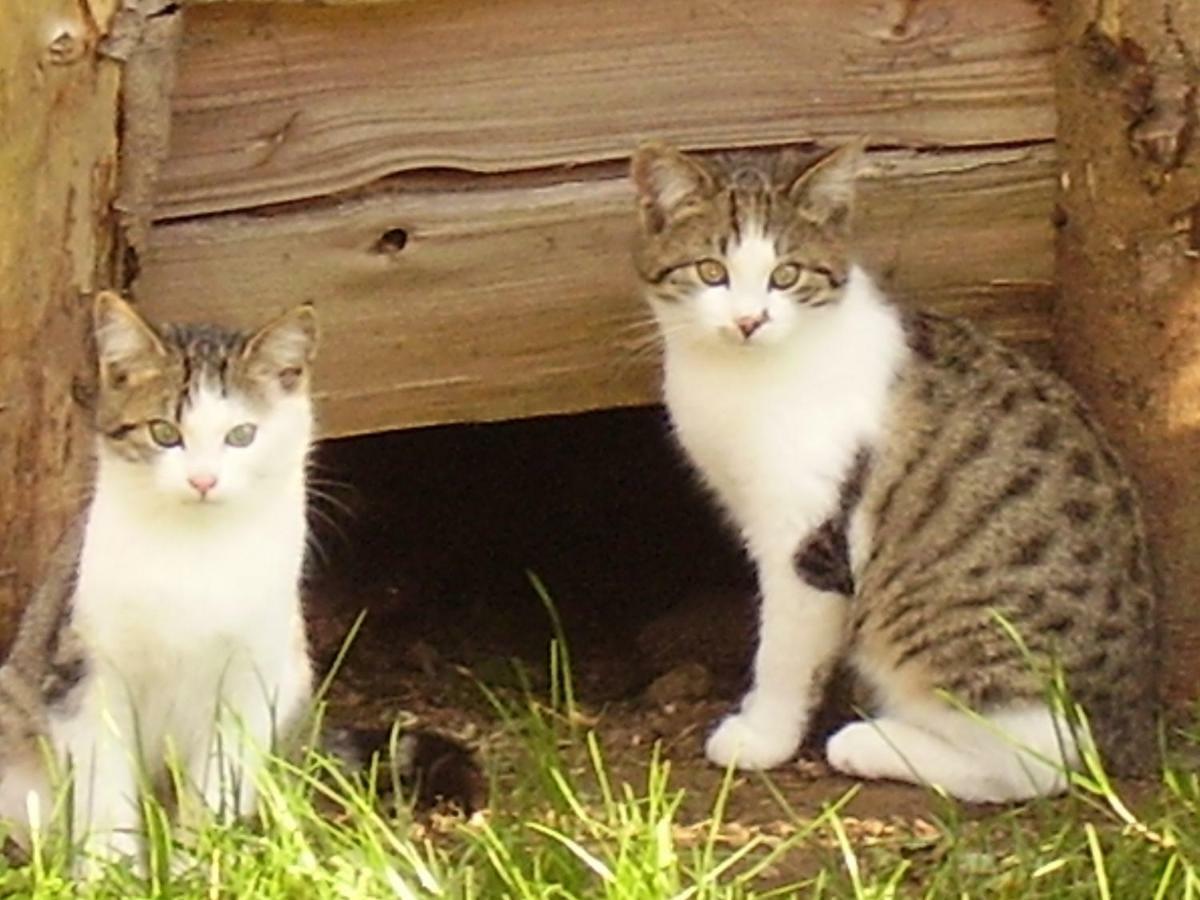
{"points": [[520, 300], [1127, 329], [57, 175], [446, 180], [278, 102]]}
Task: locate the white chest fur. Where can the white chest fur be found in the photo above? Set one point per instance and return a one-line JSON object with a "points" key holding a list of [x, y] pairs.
{"points": [[177, 594], [191, 625], [773, 430]]}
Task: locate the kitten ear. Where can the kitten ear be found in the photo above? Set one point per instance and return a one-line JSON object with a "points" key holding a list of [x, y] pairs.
{"points": [[668, 184], [123, 338], [284, 348], [825, 191]]}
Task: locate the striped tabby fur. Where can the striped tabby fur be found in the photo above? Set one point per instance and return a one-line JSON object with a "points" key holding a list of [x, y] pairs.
{"points": [[908, 488]]}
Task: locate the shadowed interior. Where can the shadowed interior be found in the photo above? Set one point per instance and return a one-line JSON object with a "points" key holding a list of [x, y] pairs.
{"points": [[433, 531]]}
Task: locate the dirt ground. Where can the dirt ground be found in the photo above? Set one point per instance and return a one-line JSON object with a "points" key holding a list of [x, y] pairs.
{"points": [[432, 534]]}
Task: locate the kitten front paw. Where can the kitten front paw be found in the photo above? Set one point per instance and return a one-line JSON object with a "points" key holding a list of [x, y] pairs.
{"points": [[101, 851], [749, 745]]}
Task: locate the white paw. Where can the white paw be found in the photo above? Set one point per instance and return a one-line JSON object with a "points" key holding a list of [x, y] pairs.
{"points": [[858, 749], [103, 850], [749, 745]]}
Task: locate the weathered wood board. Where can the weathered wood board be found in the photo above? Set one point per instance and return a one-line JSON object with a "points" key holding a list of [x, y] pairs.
{"points": [[58, 146], [495, 136], [513, 301], [277, 102]]}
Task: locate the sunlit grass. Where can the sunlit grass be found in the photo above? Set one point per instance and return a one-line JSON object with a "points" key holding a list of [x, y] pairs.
{"points": [[563, 825]]}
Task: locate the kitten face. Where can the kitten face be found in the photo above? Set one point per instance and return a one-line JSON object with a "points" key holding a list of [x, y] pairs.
{"points": [[741, 254], [201, 415]]}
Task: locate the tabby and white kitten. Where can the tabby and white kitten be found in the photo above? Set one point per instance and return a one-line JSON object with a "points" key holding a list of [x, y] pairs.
{"points": [[170, 628], [903, 483]]}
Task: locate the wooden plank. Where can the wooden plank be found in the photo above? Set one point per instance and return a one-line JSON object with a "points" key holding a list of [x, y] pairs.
{"points": [[58, 145], [281, 102], [309, 2], [517, 300]]}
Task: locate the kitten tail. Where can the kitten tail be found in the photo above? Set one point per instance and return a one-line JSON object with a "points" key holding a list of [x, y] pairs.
{"points": [[429, 767]]}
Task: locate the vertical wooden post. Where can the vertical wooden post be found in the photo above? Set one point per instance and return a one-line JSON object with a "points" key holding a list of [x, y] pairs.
{"points": [[58, 157], [1128, 325]]}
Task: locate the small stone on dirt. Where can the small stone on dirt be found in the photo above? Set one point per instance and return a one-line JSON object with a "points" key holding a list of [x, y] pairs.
{"points": [[718, 626], [812, 768], [422, 657], [689, 681]]}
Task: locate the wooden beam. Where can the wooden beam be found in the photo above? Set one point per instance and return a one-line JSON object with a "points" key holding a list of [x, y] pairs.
{"points": [[509, 296], [1128, 327], [58, 145], [279, 102], [307, 2], [147, 45]]}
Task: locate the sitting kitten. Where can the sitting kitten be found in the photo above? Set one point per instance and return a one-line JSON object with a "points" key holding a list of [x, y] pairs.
{"points": [[170, 627], [901, 482]]}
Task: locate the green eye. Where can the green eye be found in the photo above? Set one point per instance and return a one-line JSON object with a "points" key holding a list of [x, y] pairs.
{"points": [[164, 433], [712, 272], [241, 435], [785, 276]]}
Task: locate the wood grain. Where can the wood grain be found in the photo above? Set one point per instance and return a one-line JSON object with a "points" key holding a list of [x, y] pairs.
{"points": [[58, 146], [1128, 326], [512, 300], [278, 102]]}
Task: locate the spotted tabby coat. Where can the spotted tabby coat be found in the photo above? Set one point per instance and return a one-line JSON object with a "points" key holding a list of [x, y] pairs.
{"points": [[994, 496], [918, 499]]}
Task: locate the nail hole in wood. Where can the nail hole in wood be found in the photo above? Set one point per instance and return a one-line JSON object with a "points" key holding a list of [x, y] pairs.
{"points": [[391, 241]]}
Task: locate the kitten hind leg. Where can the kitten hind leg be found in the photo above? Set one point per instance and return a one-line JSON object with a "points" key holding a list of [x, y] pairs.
{"points": [[26, 798], [1012, 754]]}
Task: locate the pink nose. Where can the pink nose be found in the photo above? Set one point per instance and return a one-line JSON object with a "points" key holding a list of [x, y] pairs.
{"points": [[203, 483], [747, 325]]}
